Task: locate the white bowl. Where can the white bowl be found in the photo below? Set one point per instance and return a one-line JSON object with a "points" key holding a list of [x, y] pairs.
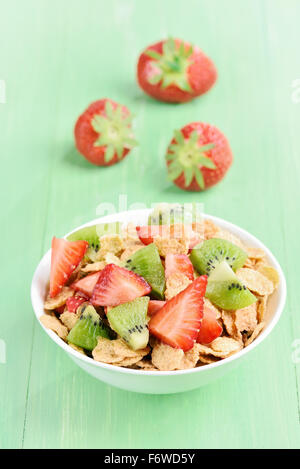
{"points": [[159, 382]]}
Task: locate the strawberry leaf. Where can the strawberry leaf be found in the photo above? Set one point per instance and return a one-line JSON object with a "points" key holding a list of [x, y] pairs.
{"points": [[173, 65], [199, 178], [109, 153], [114, 131], [153, 54]]}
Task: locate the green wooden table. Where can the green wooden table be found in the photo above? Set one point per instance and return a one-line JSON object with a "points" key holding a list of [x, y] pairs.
{"points": [[55, 58]]}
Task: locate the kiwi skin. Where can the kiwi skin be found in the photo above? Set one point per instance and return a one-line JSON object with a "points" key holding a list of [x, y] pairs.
{"points": [[206, 256]]}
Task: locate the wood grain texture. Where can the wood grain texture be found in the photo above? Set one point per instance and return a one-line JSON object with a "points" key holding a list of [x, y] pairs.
{"points": [[56, 57]]}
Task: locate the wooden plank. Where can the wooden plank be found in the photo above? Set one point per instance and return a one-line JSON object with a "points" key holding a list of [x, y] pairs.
{"points": [[59, 59]]}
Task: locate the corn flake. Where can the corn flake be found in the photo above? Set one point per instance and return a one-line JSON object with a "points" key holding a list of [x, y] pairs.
{"points": [[112, 244], [94, 267], [176, 283], [245, 319], [210, 229], [270, 273], [255, 253], [222, 347], [75, 347], [229, 322], [255, 281], [224, 234], [255, 333], [171, 245], [146, 365], [167, 358], [262, 307], [112, 259], [212, 307], [50, 321], [208, 359], [58, 300], [117, 352], [130, 236], [129, 251], [225, 346], [190, 358], [69, 319]]}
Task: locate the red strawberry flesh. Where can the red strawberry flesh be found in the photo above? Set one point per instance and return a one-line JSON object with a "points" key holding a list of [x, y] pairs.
{"points": [[178, 263], [87, 284], [65, 257], [74, 302], [178, 322], [148, 233], [154, 306], [210, 327], [117, 285]]}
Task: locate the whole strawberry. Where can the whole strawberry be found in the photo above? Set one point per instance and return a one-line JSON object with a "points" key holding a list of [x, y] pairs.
{"points": [[175, 71], [198, 157], [103, 133]]}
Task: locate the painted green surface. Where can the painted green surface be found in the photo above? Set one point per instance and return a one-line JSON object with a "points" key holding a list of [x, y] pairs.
{"points": [[56, 57]]}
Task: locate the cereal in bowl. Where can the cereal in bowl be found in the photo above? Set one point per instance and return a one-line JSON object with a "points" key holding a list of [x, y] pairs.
{"points": [[157, 297]]}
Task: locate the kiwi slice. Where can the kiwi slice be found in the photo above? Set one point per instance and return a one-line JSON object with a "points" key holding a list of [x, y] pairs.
{"points": [[92, 235], [146, 262], [129, 320], [225, 290], [170, 214], [206, 256], [89, 326]]}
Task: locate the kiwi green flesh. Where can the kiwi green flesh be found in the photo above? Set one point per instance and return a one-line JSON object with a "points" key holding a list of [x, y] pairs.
{"points": [[89, 326], [226, 291], [146, 262], [129, 320], [93, 233], [169, 214], [206, 256], [89, 234]]}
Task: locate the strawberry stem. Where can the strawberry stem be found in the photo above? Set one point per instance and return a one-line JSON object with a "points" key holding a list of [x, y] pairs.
{"points": [[172, 65], [114, 131], [187, 156]]}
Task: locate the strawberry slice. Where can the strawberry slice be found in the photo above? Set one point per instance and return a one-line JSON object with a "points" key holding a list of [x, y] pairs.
{"points": [[117, 285], [178, 322], [149, 232], [210, 327], [87, 284], [74, 302], [154, 306], [181, 263], [65, 257]]}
